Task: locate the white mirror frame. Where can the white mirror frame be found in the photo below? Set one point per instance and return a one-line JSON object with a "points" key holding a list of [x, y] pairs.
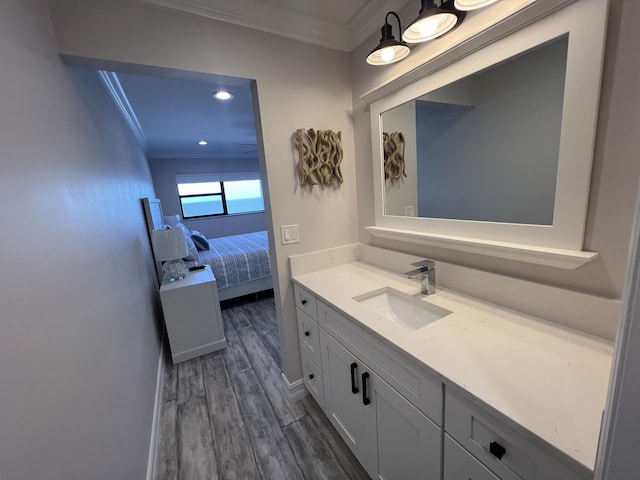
{"points": [[559, 244]]}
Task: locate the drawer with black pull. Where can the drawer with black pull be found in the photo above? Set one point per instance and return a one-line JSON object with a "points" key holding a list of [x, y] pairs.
{"points": [[507, 449], [305, 301], [460, 464], [313, 379], [309, 336]]}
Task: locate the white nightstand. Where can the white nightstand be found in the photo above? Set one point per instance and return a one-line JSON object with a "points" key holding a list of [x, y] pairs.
{"points": [[192, 315]]}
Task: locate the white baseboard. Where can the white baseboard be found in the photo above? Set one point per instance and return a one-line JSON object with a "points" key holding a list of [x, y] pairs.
{"points": [[297, 391], [157, 411]]}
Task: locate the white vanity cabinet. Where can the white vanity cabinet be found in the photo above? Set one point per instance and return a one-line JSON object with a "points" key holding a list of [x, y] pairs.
{"points": [[376, 401], [484, 393], [401, 421]]}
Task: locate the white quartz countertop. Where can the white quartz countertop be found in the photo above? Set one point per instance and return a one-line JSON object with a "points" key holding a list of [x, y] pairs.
{"points": [[549, 379]]}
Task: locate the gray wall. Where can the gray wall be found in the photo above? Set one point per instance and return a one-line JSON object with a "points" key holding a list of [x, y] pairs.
{"points": [[79, 324], [298, 86], [496, 160], [163, 172]]}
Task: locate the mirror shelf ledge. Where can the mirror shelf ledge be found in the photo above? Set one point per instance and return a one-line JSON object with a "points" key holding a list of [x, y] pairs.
{"points": [[546, 256]]}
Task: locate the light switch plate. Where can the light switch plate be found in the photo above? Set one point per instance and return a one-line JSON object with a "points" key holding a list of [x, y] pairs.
{"points": [[289, 234]]}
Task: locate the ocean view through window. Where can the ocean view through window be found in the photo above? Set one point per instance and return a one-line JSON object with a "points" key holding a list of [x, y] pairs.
{"points": [[204, 199]]}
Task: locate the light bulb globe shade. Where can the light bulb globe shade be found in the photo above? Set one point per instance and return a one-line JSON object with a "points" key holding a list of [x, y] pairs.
{"points": [[389, 50], [468, 5], [426, 28], [385, 55]]}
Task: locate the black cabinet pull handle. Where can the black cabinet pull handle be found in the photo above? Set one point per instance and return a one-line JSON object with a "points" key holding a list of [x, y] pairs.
{"points": [[307, 333], [497, 450], [304, 301], [365, 399], [311, 375], [354, 386]]}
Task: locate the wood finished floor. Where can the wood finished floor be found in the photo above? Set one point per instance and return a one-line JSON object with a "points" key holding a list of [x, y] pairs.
{"points": [[228, 415]]}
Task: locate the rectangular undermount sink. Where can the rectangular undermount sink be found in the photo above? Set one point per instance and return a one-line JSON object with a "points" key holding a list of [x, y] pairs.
{"points": [[401, 308]]}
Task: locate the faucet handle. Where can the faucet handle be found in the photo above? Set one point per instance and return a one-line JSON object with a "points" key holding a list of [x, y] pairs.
{"points": [[425, 265]]}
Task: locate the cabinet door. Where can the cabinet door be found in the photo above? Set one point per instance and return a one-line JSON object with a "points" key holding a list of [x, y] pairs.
{"points": [[461, 465], [402, 442], [343, 401]]}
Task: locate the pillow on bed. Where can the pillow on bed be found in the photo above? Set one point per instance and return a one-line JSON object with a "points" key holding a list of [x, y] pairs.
{"points": [[200, 240], [193, 251]]}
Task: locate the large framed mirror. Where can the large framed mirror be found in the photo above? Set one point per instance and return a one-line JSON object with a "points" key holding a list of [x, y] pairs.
{"points": [[493, 153]]}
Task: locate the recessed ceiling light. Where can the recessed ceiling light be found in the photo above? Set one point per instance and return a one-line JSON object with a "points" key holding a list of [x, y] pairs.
{"points": [[223, 95], [202, 142]]}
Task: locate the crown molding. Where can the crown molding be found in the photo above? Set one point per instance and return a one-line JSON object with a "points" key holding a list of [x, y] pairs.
{"points": [[269, 18], [371, 18], [117, 93]]}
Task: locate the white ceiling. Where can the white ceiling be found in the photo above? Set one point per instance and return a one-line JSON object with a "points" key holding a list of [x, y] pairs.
{"points": [[337, 24], [169, 116]]}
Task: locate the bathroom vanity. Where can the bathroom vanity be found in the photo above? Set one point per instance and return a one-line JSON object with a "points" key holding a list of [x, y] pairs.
{"points": [[477, 391], [498, 135]]}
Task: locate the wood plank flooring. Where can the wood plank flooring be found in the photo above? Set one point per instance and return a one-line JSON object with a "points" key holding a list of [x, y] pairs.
{"points": [[228, 415]]}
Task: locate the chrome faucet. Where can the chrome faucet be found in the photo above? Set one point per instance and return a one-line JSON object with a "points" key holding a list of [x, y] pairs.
{"points": [[427, 271]]}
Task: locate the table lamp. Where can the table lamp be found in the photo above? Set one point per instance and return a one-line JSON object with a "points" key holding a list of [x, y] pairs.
{"points": [[171, 220], [169, 246]]}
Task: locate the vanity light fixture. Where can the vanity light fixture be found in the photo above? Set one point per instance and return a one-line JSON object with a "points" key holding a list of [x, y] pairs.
{"points": [[389, 50], [433, 21], [467, 5], [223, 95]]}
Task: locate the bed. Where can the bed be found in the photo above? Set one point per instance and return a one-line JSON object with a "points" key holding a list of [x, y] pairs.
{"points": [[240, 263]]}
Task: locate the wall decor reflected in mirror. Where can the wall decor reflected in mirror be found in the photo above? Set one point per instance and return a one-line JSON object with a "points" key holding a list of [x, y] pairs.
{"points": [[484, 147], [393, 146]]}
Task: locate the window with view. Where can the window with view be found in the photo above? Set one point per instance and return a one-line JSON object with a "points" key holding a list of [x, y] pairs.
{"points": [[228, 197]]}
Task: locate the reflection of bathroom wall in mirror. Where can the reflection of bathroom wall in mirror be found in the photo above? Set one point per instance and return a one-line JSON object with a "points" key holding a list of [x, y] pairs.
{"points": [[402, 195], [485, 147]]}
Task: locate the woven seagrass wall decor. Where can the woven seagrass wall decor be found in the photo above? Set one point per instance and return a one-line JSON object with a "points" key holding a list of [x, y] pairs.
{"points": [[393, 144], [320, 156]]}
